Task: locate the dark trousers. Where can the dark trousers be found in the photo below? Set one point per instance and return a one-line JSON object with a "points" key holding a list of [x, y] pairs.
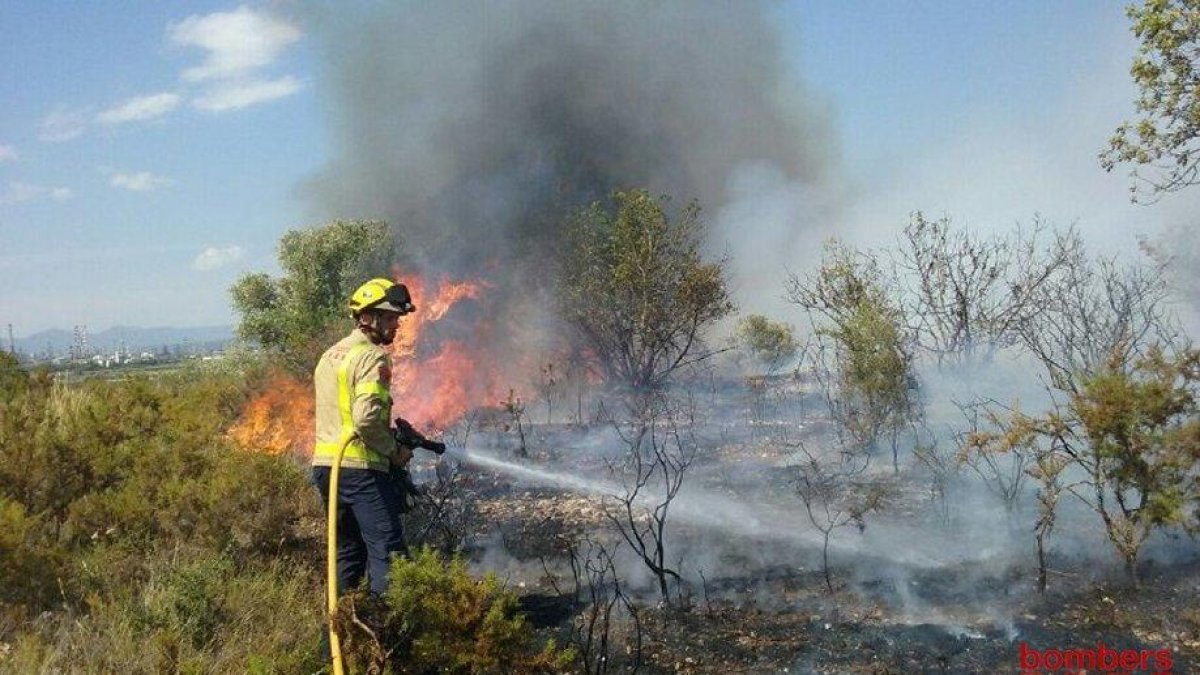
{"points": [[369, 529]]}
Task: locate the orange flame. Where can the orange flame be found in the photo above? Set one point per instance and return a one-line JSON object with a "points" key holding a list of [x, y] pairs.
{"points": [[277, 420], [436, 391], [435, 381]]}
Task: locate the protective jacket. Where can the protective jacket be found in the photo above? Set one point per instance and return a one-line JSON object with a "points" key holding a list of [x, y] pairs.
{"points": [[352, 396]]}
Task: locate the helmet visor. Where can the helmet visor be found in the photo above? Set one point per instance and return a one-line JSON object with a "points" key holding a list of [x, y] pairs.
{"points": [[396, 299]]}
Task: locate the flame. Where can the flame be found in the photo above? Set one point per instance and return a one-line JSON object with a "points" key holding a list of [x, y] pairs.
{"points": [[436, 391], [278, 419], [436, 379]]}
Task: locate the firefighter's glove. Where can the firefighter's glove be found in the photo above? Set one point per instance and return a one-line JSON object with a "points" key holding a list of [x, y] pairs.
{"points": [[403, 454], [409, 492], [407, 435]]}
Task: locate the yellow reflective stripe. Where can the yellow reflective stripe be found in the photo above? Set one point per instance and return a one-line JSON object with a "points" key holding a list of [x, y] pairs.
{"points": [[344, 399], [373, 389], [357, 453]]}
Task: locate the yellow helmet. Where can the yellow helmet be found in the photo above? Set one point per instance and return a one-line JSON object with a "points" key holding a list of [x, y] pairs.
{"points": [[381, 294]]}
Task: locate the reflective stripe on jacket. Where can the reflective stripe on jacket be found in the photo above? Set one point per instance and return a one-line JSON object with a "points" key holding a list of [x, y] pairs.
{"points": [[352, 396]]}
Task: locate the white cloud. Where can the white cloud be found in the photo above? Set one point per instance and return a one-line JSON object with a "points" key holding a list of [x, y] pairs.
{"points": [[238, 42], [140, 108], [18, 192], [213, 257], [235, 95], [62, 125], [140, 181], [7, 152]]}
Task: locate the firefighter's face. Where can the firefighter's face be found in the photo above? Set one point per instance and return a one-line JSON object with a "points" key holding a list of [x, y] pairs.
{"points": [[385, 324]]}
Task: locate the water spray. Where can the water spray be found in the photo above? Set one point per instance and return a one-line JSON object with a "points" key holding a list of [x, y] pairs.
{"points": [[705, 510]]}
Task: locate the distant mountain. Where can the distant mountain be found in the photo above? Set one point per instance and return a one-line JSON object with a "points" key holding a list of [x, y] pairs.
{"points": [[135, 338]]}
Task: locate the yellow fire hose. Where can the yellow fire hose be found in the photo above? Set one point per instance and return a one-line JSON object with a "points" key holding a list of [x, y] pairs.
{"points": [[335, 645]]}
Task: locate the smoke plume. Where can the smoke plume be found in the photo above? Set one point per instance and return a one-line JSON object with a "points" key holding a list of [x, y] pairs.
{"points": [[474, 127]]}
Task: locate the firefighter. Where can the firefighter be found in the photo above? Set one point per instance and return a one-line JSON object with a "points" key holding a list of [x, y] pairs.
{"points": [[352, 395]]}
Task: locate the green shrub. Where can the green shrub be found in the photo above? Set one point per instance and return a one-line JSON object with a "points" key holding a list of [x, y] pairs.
{"points": [[197, 613], [27, 569], [437, 618], [187, 601], [135, 537], [13, 380]]}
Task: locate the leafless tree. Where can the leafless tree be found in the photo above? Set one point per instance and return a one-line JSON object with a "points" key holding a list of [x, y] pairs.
{"points": [[598, 588], [458, 434], [652, 474], [835, 495], [967, 294], [1098, 309], [514, 407], [548, 384], [940, 462], [445, 513]]}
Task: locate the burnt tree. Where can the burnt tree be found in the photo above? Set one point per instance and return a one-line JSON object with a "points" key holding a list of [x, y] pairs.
{"points": [[968, 295], [651, 475], [835, 495]]}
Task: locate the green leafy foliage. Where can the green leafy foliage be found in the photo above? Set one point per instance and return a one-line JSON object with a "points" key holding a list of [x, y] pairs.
{"points": [[436, 618], [771, 343], [871, 368], [637, 290], [134, 537], [1140, 425], [196, 612], [1166, 73], [299, 312], [1131, 430], [143, 540], [13, 379], [28, 568]]}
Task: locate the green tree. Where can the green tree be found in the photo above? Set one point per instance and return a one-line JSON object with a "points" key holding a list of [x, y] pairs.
{"points": [[297, 313], [12, 378], [770, 343], [1164, 137], [870, 366], [636, 288], [1132, 431]]}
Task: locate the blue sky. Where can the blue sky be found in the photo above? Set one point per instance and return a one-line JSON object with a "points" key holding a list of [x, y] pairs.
{"points": [[150, 153]]}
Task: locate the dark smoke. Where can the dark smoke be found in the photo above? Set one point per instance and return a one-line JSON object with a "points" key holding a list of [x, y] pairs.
{"points": [[474, 127]]}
